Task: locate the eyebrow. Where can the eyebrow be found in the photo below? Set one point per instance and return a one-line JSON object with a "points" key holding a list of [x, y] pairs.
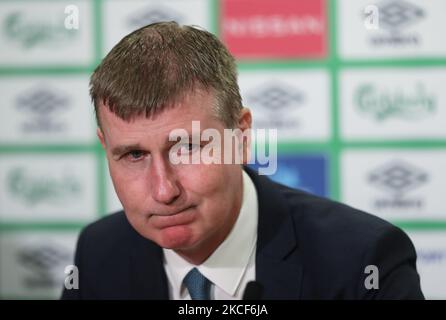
{"points": [[122, 149], [118, 150]]}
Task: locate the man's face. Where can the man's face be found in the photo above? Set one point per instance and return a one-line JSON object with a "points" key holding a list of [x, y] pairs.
{"points": [[187, 207]]}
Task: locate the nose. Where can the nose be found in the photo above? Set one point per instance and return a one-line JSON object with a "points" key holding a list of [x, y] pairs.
{"points": [[165, 187]]}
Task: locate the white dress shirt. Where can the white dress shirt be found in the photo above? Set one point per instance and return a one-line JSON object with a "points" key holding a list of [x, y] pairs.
{"points": [[232, 265]]}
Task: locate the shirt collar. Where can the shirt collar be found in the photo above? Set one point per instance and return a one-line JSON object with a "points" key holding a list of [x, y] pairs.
{"points": [[224, 268]]}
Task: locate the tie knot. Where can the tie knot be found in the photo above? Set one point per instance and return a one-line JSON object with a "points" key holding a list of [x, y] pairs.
{"points": [[199, 286]]}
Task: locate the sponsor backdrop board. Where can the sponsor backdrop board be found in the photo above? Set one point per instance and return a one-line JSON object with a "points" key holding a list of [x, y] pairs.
{"points": [[355, 89]]}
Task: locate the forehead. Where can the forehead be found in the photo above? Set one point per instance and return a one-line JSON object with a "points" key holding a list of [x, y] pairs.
{"points": [[198, 105]]}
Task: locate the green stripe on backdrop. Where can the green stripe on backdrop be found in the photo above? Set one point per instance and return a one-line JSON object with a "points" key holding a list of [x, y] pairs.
{"points": [[395, 63], [39, 148], [418, 225], [334, 167], [421, 225], [242, 64], [282, 64], [42, 226], [214, 16], [410, 145], [98, 32], [337, 63], [45, 70], [334, 110]]}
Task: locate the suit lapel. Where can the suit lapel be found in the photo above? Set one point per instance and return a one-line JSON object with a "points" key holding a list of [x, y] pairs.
{"points": [[278, 264]]}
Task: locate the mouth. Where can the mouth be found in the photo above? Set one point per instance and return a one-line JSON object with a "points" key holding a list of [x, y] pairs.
{"points": [[182, 217]]}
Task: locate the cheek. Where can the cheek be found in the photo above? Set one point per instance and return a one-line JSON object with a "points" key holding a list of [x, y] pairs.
{"points": [[214, 186], [131, 190], [203, 180]]}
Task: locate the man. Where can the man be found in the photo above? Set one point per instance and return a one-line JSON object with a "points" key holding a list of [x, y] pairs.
{"points": [[205, 230]]}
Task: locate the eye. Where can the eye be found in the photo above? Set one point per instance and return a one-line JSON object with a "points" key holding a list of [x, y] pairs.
{"points": [[188, 148], [134, 155]]}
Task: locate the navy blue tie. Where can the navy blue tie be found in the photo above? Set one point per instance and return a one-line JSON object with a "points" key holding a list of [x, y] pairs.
{"points": [[198, 285]]}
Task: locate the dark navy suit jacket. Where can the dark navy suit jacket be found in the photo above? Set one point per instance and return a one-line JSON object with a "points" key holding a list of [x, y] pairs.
{"points": [[307, 248]]}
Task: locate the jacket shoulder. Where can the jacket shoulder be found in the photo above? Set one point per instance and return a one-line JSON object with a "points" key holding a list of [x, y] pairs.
{"points": [[315, 213], [107, 237], [115, 225], [339, 243]]}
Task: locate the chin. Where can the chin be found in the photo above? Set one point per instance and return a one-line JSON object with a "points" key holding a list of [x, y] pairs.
{"points": [[176, 238]]}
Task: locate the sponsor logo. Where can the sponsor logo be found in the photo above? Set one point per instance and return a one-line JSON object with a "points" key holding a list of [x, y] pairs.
{"points": [[45, 264], [31, 32], [382, 104], [275, 97], [34, 189], [274, 26], [42, 104], [432, 256], [394, 17], [305, 172], [152, 15], [266, 29], [397, 178], [276, 100]]}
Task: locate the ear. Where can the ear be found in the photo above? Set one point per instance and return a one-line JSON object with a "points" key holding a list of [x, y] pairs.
{"points": [[101, 137], [245, 123], [245, 119]]}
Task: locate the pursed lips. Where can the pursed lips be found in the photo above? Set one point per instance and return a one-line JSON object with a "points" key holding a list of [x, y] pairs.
{"points": [[171, 214], [171, 219]]}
